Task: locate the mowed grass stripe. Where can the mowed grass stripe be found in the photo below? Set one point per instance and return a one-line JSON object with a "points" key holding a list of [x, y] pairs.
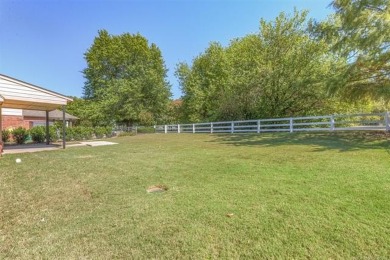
{"points": [[230, 196]]}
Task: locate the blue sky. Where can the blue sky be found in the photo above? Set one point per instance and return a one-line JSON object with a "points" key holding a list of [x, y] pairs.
{"points": [[43, 41]]}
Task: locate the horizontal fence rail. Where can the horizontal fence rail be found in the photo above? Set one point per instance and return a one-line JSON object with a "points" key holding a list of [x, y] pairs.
{"points": [[377, 121]]}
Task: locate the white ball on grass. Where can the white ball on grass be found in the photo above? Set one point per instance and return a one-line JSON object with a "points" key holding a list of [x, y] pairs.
{"points": [[18, 160]]}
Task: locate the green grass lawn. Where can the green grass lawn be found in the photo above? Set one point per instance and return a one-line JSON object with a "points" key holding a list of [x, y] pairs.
{"points": [[230, 196]]}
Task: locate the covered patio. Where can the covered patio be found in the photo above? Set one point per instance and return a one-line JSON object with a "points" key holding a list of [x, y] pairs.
{"points": [[18, 94]]}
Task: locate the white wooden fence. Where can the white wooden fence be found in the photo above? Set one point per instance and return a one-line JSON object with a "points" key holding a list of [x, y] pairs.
{"points": [[378, 121]]}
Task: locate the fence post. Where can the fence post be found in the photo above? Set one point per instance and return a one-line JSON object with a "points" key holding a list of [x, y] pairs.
{"points": [[291, 125], [178, 128], [136, 130], [387, 121], [258, 126], [211, 128], [193, 128], [332, 123], [165, 129], [232, 127]]}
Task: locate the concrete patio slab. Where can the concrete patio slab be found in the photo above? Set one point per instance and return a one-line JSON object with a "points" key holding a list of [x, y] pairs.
{"points": [[97, 143], [32, 148], [29, 148]]}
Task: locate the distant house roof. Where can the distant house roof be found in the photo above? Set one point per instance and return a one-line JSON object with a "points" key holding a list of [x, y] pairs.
{"points": [[53, 115]]}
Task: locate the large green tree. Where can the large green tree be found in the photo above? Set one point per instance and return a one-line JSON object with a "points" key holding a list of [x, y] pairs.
{"points": [[88, 112], [126, 79], [290, 77], [359, 31], [280, 71], [203, 84]]}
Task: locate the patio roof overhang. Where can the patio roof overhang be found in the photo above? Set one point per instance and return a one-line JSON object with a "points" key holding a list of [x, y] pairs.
{"points": [[18, 94], [22, 95]]}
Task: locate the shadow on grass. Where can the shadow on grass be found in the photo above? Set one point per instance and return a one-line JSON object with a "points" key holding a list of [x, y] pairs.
{"points": [[341, 141]]}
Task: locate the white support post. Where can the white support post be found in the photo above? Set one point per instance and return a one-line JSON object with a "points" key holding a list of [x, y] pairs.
{"points": [[211, 128], [232, 127], [387, 121], [332, 123], [47, 128], [193, 128], [291, 125], [178, 129], [165, 129], [258, 126]]}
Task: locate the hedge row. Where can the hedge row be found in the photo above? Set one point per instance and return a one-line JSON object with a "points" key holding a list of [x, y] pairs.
{"points": [[85, 133], [38, 134]]}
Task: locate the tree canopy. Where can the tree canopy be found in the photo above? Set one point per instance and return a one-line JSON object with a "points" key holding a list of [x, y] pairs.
{"points": [[292, 66], [126, 79], [278, 72], [360, 32]]}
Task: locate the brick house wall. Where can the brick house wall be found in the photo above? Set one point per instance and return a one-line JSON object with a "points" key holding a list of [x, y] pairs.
{"points": [[15, 122]]}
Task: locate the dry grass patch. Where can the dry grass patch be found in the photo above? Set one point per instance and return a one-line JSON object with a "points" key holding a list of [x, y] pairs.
{"points": [[157, 188]]}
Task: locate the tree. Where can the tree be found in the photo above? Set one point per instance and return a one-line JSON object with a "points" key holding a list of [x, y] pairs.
{"points": [[281, 71], [126, 79], [241, 98], [203, 84], [360, 32], [88, 112], [174, 114], [291, 73]]}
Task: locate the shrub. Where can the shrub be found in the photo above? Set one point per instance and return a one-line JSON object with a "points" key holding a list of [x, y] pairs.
{"points": [[83, 133], [109, 131], [70, 133], [5, 135], [54, 133], [79, 133], [20, 135], [100, 131], [38, 134], [88, 132]]}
